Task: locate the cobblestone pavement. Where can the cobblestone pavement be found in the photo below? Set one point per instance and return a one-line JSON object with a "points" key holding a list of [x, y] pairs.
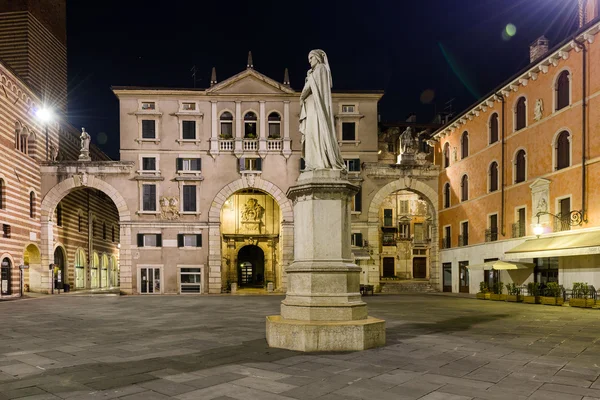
{"points": [[213, 347]]}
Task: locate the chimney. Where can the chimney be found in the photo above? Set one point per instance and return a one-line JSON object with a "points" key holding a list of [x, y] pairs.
{"points": [[538, 48]]}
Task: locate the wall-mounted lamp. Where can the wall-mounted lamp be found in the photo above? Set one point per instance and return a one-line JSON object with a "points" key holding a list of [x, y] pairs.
{"points": [[574, 218]]}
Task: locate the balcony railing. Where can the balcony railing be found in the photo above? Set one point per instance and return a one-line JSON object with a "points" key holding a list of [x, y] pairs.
{"points": [[518, 229], [226, 144], [446, 243], [463, 240], [250, 144], [274, 145], [562, 223], [491, 234]]}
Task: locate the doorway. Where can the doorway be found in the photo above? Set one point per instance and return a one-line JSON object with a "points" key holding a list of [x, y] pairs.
{"points": [[5, 276], [150, 280], [59, 270], [388, 267], [251, 267], [447, 277], [463, 274], [419, 268], [80, 269]]}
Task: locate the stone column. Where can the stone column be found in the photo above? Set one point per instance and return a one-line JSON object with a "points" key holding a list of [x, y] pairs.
{"points": [[214, 129], [262, 133], [323, 309], [239, 124], [40, 281], [125, 263], [287, 142]]}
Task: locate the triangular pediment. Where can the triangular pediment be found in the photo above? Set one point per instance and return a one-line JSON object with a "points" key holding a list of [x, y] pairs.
{"points": [[250, 82], [540, 183]]}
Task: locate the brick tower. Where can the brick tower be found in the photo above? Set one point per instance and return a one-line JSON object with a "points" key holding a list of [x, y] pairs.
{"points": [[37, 51]]}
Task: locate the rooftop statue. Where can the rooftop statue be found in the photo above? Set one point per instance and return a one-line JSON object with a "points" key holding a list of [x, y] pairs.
{"points": [[321, 149]]}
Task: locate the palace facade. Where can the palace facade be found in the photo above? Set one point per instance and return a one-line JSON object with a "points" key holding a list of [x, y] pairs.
{"points": [[519, 179]]}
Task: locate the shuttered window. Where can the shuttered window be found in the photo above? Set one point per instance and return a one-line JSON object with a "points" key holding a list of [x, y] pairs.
{"points": [[562, 90], [521, 114], [149, 197], [149, 240], [148, 129], [563, 156], [348, 131], [357, 239], [189, 198], [189, 129], [189, 164], [189, 240], [148, 164]]}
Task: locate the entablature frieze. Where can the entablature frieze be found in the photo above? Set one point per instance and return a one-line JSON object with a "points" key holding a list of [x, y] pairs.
{"points": [[397, 171]]}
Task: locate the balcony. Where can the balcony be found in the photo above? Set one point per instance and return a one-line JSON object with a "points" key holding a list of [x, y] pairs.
{"points": [[446, 243], [562, 223], [274, 145], [226, 144], [250, 144], [463, 240], [491, 234], [518, 229]]}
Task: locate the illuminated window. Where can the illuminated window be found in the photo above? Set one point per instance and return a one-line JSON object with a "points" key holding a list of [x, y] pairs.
{"points": [[250, 122], [274, 125]]}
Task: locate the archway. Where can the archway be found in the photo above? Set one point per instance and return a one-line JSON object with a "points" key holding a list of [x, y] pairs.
{"points": [[6, 279], [94, 281], [425, 192], [251, 266], [114, 272], [104, 271], [33, 259], [56, 194], [80, 269], [220, 261], [60, 267]]}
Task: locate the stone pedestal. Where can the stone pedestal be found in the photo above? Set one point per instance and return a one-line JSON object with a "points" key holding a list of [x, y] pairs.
{"points": [[323, 309]]}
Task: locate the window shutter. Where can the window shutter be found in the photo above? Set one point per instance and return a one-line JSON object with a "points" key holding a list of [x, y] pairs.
{"points": [[198, 164], [199, 240], [258, 165], [242, 162], [179, 240], [359, 240], [140, 240], [159, 240], [358, 201], [179, 164]]}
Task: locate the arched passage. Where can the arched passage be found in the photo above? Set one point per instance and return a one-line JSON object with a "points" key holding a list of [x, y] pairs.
{"points": [[60, 269], [286, 233], [251, 266], [48, 205], [33, 259], [430, 196]]}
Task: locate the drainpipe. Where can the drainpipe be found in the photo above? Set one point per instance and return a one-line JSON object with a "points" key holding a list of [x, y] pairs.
{"points": [[583, 128], [502, 213]]}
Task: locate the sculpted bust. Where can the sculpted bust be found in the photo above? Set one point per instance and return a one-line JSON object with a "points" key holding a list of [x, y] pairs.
{"points": [[321, 149]]}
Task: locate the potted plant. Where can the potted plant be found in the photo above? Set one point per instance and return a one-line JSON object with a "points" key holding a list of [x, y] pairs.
{"points": [[514, 293], [484, 291], [497, 292], [223, 136], [553, 295], [579, 298], [533, 293]]}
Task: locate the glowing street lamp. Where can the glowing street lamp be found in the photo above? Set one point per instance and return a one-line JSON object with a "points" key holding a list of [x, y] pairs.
{"points": [[45, 115], [573, 218]]}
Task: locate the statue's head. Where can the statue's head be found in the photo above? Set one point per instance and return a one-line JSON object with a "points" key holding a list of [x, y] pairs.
{"points": [[315, 57]]}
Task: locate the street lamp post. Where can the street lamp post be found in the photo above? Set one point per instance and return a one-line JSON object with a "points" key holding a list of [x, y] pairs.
{"points": [[45, 115], [575, 218]]}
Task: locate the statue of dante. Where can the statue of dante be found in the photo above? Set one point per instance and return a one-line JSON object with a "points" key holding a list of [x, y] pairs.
{"points": [[321, 149], [407, 143]]}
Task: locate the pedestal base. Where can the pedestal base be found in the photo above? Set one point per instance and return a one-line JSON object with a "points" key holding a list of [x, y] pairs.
{"points": [[311, 336]]}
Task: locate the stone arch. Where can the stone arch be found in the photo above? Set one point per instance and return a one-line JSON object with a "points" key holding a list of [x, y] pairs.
{"points": [[214, 225], [57, 193], [431, 197]]}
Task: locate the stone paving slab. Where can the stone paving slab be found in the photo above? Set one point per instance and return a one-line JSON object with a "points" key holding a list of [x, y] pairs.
{"points": [[213, 347]]}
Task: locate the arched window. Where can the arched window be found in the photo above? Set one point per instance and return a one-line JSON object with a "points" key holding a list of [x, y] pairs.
{"points": [[2, 194], [494, 128], [446, 155], [446, 195], [562, 90], [226, 121], [563, 150], [493, 176], [464, 145], [520, 114], [464, 188], [520, 166], [59, 215], [274, 125], [31, 204], [250, 125]]}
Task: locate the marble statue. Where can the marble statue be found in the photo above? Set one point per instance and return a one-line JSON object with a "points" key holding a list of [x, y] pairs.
{"points": [[85, 140], [54, 153], [321, 149], [407, 142], [538, 111]]}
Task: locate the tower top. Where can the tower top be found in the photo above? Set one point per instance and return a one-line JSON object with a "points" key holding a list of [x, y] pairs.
{"points": [[213, 77], [250, 65], [286, 77]]}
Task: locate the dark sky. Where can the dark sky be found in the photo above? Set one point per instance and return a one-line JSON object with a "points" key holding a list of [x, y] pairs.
{"points": [[455, 48]]}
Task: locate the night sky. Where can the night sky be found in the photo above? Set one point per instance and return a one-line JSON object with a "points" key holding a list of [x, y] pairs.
{"points": [[454, 49]]}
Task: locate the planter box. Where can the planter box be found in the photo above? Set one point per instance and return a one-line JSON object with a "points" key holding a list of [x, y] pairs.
{"points": [[584, 303], [514, 298], [532, 299], [497, 297], [552, 301], [483, 296]]}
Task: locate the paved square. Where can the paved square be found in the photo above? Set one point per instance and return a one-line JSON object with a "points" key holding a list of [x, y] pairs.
{"points": [[213, 347]]}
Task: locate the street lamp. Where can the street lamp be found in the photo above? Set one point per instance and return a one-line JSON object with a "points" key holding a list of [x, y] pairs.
{"points": [[45, 115], [573, 218]]}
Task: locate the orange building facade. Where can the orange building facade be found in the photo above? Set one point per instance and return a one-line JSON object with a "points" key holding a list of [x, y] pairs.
{"points": [[520, 172]]}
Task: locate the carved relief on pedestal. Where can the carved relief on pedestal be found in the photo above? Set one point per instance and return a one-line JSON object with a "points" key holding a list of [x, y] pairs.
{"points": [[81, 179], [169, 208], [252, 215], [540, 192]]}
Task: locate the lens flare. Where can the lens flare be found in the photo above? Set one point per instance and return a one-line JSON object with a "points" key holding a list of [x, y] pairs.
{"points": [[511, 30]]}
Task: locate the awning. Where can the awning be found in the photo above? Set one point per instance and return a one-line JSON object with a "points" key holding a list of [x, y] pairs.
{"points": [[556, 246], [500, 265]]}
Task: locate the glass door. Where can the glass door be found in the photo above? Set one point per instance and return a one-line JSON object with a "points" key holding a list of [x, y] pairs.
{"points": [[447, 277], [463, 274], [150, 280]]}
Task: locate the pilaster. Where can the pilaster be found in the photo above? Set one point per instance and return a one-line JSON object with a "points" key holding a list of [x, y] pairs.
{"points": [[287, 142], [239, 124], [214, 129]]}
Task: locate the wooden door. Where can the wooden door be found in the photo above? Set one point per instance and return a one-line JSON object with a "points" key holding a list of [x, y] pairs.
{"points": [[388, 267], [447, 277], [419, 268]]}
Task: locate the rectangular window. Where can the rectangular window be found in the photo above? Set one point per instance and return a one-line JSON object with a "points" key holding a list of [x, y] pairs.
{"points": [[149, 240], [492, 234], [148, 197], [188, 130], [564, 214], [148, 129], [190, 280], [348, 131], [389, 239], [6, 230], [302, 164], [274, 130], [447, 239], [148, 105], [404, 230], [250, 164], [357, 201], [546, 270], [465, 233], [189, 240], [188, 106], [348, 108], [404, 207], [148, 164], [189, 164], [353, 164], [189, 198], [357, 239], [387, 217], [419, 233]]}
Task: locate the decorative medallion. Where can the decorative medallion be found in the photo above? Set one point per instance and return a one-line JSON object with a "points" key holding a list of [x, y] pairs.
{"points": [[169, 208], [252, 216]]}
